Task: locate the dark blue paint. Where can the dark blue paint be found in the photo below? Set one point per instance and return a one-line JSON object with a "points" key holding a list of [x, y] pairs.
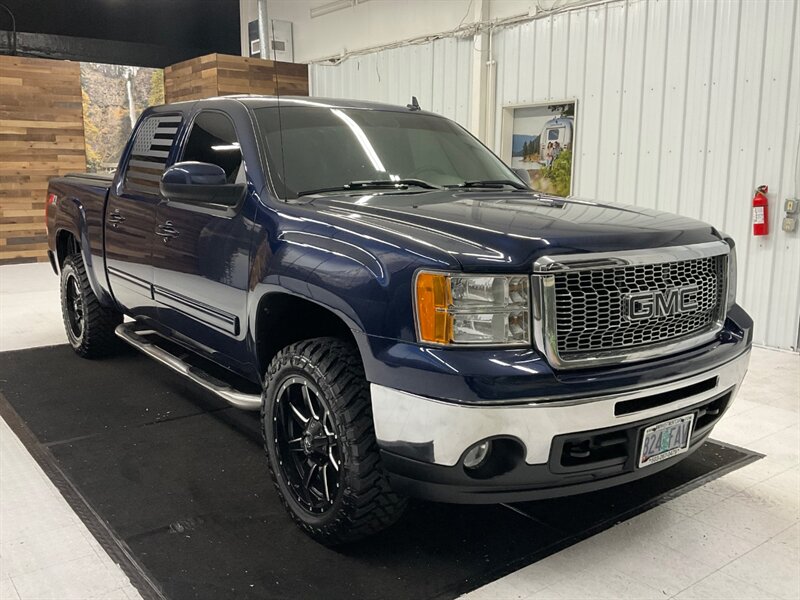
{"points": [[356, 255], [492, 375]]}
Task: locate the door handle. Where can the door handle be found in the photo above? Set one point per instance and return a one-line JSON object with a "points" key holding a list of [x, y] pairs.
{"points": [[115, 218], [167, 230]]}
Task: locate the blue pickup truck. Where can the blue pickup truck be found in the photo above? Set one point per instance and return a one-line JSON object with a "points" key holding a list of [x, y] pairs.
{"points": [[410, 318]]}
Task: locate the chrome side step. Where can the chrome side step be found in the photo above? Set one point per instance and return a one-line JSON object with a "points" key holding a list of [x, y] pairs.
{"points": [[137, 339]]}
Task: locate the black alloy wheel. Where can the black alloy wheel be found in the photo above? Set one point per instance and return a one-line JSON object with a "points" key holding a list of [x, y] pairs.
{"points": [[319, 438], [89, 325], [307, 446], [74, 308]]}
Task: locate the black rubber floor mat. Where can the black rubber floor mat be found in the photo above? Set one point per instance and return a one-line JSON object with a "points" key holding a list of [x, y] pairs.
{"points": [[174, 485]]}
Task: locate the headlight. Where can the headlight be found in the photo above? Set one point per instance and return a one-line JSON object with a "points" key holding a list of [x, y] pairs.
{"points": [[731, 298], [472, 309]]}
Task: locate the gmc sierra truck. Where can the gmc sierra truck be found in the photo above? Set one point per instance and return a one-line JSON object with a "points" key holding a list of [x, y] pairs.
{"points": [[410, 318]]}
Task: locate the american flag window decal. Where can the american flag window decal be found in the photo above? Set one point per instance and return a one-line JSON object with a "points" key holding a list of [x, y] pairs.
{"points": [[149, 154]]}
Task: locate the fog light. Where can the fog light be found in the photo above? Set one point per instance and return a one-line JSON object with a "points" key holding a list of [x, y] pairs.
{"points": [[476, 455]]}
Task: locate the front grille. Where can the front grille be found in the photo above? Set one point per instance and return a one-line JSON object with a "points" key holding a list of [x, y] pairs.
{"points": [[612, 307], [591, 306]]}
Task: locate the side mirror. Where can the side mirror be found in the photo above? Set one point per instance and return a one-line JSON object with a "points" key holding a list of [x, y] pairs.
{"points": [[201, 182], [524, 176]]}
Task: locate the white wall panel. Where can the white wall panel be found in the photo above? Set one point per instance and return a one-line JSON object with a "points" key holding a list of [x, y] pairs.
{"points": [[437, 73], [631, 106], [685, 107]]}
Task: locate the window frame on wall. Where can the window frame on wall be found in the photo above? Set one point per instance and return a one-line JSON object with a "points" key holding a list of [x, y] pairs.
{"points": [[507, 131]]}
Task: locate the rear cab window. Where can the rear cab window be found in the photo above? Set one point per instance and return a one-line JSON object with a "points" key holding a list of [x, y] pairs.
{"points": [[148, 157]]}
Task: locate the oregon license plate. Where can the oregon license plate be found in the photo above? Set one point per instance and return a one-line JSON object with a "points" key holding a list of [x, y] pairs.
{"points": [[665, 440]]}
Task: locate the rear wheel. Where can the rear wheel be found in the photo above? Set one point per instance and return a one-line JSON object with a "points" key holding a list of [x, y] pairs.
{"points": [[89, 325], [320, 443]]}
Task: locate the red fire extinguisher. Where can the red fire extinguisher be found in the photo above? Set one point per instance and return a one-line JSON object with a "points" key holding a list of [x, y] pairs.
{"points": [[760, 211]]}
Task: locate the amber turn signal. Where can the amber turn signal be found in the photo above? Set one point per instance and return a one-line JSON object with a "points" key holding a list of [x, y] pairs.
{"points": [[433, 300]]}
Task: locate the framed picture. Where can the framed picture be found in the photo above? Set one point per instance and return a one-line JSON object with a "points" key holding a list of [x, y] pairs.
{"points": [[540, 139]]}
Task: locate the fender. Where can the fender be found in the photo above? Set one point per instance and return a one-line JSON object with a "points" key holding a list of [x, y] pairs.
{"points": [[343, 267], [72, 218], [340, 248], [318, 296], [304, 264], [354, 281]]}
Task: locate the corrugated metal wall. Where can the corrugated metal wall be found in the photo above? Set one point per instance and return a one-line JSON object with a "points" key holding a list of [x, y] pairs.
{"points": [[437, 73], [682, 106]]}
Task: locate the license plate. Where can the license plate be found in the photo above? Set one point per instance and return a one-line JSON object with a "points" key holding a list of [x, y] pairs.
{"points": [[665, 440]]}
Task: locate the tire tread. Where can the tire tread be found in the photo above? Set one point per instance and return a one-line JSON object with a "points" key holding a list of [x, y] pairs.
{"points": [[370, 505], [99, 339]]}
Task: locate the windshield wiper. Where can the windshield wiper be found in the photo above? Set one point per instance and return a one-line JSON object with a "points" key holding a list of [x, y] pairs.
{"points": [[490, 183], [391, 184]]}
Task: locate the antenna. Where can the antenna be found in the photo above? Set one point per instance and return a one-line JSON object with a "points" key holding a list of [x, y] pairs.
{"points": [[414, 104], [278, 98]]}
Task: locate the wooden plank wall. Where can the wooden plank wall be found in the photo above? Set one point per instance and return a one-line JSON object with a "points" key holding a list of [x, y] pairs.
{"points": [[191, 79], [222, 74], [41, 136], [41, 128]]}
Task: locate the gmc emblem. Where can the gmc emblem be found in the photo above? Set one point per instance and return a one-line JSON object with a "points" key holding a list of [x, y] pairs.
{"points": [[658, 303]]}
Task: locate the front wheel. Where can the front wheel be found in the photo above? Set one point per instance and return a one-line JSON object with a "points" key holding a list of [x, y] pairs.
{"points": [[320, 443], [89, 325]]}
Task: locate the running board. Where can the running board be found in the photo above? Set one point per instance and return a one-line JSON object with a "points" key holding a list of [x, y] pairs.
{"points": [[137, 339]]}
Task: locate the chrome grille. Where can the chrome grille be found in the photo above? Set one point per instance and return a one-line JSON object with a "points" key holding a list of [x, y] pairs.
{"points": [[590, 311], [607, 308]]}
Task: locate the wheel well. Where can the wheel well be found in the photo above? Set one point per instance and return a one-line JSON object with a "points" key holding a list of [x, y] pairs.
{"points": [[66, 245], [284, 319]]}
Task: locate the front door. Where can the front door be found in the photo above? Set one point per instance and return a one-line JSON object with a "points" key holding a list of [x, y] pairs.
{"points": [[131, 215], [201, 251]]}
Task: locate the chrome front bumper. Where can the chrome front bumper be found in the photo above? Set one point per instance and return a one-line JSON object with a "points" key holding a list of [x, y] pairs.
{"points": [[440, 432]]}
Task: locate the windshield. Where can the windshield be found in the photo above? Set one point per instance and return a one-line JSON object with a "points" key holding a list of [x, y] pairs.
{"points": [[329, 148]]}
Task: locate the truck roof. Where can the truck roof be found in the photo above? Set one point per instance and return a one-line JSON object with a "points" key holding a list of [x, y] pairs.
{"points": [[259, 101]]}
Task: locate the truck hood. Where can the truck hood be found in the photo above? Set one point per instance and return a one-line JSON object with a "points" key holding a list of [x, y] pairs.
{"points": [[486, 230]]}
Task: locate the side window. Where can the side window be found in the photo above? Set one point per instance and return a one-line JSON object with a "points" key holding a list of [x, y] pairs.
{"points": [[149, 155], [213, 140]]}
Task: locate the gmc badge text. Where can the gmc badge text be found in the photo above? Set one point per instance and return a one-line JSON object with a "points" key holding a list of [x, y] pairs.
{"points": [[410, 318]]}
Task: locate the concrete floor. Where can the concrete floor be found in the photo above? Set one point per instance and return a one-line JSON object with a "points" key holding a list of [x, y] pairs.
{"points": [[736, 537], [45, 549]]}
